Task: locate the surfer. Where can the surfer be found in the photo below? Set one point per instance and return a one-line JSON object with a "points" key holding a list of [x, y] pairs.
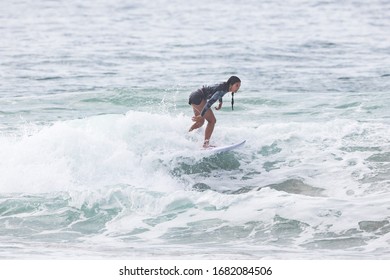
{"points": [[202, 100]]}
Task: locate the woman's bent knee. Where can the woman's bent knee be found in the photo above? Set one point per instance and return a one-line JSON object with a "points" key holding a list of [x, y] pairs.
{"points": [[212, 121], [200, 123]]}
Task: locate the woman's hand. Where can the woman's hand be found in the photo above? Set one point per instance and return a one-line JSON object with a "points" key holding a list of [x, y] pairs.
{"points": [[197, 118], [219, 106]]}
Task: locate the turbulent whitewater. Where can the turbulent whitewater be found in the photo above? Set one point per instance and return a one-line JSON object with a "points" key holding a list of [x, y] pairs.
{"points": [[96, 160]]}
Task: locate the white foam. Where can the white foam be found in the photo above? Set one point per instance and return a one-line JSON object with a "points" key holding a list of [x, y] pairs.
{"points": [[92, 152]]}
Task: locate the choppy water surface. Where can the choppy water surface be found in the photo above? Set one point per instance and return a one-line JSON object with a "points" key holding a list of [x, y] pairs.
{"points": [[96, 160]]}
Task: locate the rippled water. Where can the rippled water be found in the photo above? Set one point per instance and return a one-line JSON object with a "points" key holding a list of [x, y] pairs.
{"points": [[96, 160]]}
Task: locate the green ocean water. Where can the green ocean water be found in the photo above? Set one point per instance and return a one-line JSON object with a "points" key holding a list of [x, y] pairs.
{"points": [[95, 156]]}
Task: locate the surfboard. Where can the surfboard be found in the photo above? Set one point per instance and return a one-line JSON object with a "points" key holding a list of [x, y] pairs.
{"points": [[225, 148]]}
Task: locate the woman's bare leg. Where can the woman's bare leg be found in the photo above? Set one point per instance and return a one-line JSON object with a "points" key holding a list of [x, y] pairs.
{"points": [[197, 109], [211, 120]]}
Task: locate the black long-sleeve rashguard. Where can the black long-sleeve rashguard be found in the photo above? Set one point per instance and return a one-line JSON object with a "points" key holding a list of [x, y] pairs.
{"points": [[209, 93]]}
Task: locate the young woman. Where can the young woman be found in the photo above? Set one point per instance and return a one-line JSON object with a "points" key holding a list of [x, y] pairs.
{"points": [[202, 100]]}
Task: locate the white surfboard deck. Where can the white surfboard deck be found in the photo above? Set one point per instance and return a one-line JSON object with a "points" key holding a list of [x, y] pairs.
{"points": [[225, 148]]}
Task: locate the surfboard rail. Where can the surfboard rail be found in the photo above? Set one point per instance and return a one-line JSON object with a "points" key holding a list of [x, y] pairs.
{"points": [[225, 148]]}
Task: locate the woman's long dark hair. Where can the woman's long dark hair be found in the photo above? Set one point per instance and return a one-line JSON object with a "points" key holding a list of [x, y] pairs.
{"points": [[232, 80]]}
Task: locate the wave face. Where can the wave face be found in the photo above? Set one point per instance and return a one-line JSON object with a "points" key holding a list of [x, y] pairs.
{"points": [[138, 180], [96, 160]]}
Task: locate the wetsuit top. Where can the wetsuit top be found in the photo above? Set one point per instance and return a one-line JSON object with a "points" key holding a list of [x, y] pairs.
{"points": [[212, 94]]}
